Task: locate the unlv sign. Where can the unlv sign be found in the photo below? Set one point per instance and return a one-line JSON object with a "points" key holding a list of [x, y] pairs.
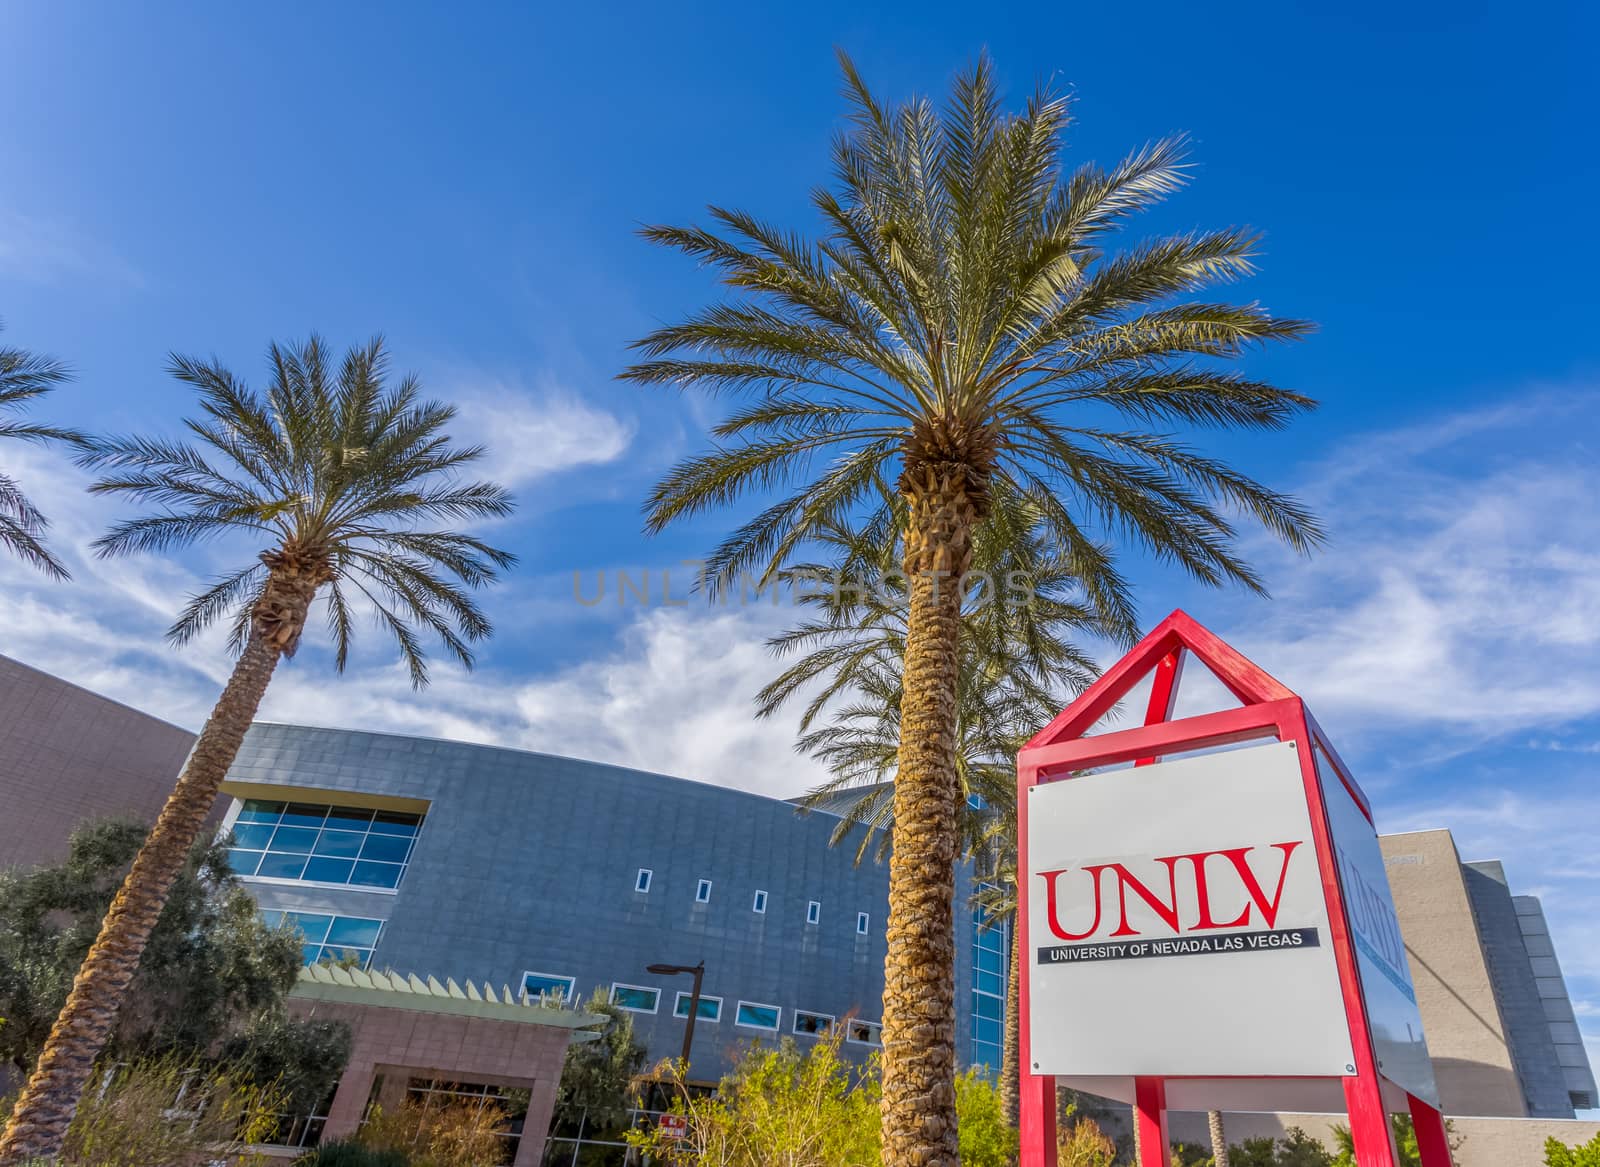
{"points": [[1210, 928], [1218, 944]]}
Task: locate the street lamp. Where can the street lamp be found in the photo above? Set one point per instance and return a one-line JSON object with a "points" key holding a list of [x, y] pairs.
{"points": [[698, 971]]}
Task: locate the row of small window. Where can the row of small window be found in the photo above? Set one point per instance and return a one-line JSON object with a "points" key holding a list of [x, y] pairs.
{"points": [[312, 843], [340, 939], [758, 903], [747, 1014]]}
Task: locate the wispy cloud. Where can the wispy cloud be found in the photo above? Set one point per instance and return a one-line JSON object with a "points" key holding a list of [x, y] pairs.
{"points": [[529, 434], [48, 251]]}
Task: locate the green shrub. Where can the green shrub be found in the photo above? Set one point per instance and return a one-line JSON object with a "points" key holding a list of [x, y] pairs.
{"points": [[1558, 1154], [352, 1153]]}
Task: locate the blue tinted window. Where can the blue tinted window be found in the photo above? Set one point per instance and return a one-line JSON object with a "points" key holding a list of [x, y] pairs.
{"points": [[757, 1016], [351, 846], [536, 985], [635, 998], [710, 1007], [345, 939]]}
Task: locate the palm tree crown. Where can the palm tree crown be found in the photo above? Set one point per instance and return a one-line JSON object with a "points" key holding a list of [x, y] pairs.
{"points": [[966, 308], [341, 473], [24, 378]]}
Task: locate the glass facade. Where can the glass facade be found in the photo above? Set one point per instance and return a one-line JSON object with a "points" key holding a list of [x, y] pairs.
{"points": [[508, 1103], [753, 1016], [991, 945], [311, 843], [332, 938]]}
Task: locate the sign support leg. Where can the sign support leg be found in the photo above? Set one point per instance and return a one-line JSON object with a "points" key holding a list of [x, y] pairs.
{"points": [[1150, 1116], [1433, 1141], [1369, 1124], [1038, 1120]]}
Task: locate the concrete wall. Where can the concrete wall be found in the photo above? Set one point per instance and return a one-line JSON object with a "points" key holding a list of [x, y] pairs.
{"points": [[67, 755], [528, 862]]}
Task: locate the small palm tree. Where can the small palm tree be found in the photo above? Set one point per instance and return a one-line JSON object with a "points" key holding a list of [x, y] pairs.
{"points": [[343, 476], [24, 378], [966, 324]]}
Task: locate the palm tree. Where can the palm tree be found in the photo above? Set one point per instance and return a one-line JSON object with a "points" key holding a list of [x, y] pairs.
{"points": [[1018, 666], [964, 324], [24, 378], [342, 476]]}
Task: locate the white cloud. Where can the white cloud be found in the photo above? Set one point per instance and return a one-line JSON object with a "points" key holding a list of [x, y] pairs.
{"points": [[529, 435]]}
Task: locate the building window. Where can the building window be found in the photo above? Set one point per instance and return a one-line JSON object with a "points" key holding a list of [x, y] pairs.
{"points": [[710, 1007], [538, 986], [759, 904], [863, 923], [311, 843], [335, 939], [641, 882], [813, 1024], [813, 912], [864, 1033], [635, 998], [702, 892], [754, 1016], [991, 941]]}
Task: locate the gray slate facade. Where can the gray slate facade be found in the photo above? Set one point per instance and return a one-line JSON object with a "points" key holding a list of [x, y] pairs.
{"points": [[530, 862]]}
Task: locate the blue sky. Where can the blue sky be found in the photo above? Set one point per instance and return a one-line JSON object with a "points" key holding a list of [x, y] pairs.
{"points": [[468, 181]]}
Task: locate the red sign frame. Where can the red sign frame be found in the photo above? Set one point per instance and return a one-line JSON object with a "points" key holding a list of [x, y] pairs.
{"points": [[1268, 710]]}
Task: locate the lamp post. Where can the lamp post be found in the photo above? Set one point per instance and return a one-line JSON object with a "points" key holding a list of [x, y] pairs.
{"points": [[698, 971]]}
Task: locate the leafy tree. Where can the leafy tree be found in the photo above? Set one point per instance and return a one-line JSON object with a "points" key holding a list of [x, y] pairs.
{"points": [[1558, 1154], [1257, 1152], [987, 1138], [343, 476], [597, 1078], [1298, 1149], [1405, 1141], [1083, 1144], [24, 378], [210, 990], [966, 325]]}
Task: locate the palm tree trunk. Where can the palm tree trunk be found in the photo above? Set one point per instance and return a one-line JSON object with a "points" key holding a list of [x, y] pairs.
{"points": [[1219, 1140], [1010, 1081], [919, 1018], [38, 1125]]}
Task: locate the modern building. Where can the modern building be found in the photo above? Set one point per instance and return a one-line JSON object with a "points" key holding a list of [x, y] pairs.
{"points": [[546, 875]]}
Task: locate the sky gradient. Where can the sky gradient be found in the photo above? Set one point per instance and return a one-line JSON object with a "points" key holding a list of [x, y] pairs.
{"points": [[206, 180]]}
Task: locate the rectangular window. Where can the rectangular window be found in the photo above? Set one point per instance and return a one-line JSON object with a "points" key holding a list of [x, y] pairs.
{"points": [[754, 1016], [710, 1007], [334, 939], [641, 882], [863, 922], [813, 912], [311, 843], [759, 904], [702, 892], [864, 1033], [538, 986], [635, 998], [813, 1024]]}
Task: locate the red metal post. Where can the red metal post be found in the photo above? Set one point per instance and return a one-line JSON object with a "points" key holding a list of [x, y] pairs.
{"points": [[1037, 1092], [1150, 1118], [1433, 1140], [1163, 693]]}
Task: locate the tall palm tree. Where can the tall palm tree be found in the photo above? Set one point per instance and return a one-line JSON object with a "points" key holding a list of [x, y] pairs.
{"points": [[24, 378], [342, 476], [966, 320]]}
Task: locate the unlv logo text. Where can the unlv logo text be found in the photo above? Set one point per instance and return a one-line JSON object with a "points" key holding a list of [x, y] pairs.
{"points": [[1224, 882]]}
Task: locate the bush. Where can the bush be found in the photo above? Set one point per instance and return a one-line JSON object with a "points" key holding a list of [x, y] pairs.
{"points": [[461, 1135], [1084, 1144], [351, 1153], [163, 1112], [1558, 1154]]}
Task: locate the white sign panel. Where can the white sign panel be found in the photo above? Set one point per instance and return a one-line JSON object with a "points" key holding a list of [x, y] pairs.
{"points": [[1381, 962], [1178, 925]]}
